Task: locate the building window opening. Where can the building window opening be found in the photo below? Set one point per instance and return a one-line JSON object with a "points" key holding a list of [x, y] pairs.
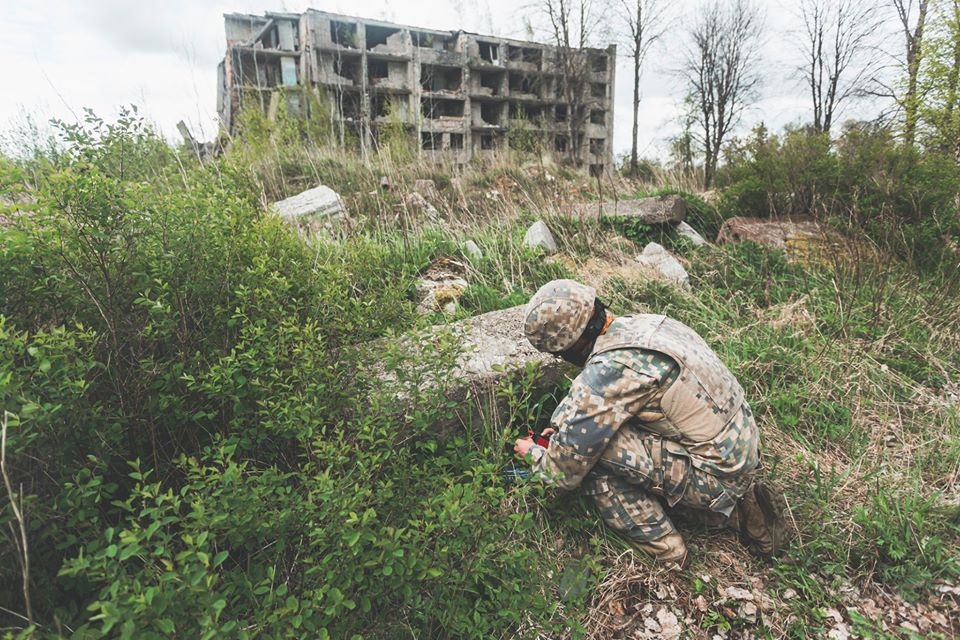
{"points": [[491, 81], [430, 141], [343, 34], [379, 35], [489, 52], [456, 141], [596, 170], [490, 114], [560, 114], [560, 144], [424, 40], [435, 109], [599, 64], [350, 107], [597, 146], [531, 55], [377, 71], [347, 68], [486, 142], [258, 73], [433, 78], [530, 113], [598, 116], [598, 90], [520, 83], [380, 107]]}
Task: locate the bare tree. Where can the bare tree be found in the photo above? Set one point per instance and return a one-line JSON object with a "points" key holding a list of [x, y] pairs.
{"points": [[573, 25], [912, 27], [644, 24], [839, 57], [720, 68]]}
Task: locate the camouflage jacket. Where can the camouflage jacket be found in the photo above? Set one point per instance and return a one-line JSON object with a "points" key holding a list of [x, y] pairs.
{"points": [[659, 376]]}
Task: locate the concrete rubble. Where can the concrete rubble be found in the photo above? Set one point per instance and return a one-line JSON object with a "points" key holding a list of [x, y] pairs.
{"points": [[654, 210], [441, 286], [688, 232], [663, 264], [539, 236], [769, 232], [492, 352], [471, 250], [314, 209]]}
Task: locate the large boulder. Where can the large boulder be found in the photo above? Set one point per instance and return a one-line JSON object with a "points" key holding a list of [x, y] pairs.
{"points": [[804, 240], [654, 210], [496, 353], [320, 208]]}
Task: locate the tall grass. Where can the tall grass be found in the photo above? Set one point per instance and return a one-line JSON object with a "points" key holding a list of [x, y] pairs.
{"points": [[201, 452]]}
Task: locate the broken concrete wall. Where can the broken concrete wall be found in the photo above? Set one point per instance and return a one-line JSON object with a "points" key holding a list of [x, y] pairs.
{"points": [[241, 28]]}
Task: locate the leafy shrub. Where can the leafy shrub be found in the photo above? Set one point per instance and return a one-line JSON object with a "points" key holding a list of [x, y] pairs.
{"points": [[770, 176], [199, 449], [904, 199]]}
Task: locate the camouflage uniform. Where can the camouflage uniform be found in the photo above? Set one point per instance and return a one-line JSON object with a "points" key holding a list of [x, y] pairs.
{"points": [[653, 418]]}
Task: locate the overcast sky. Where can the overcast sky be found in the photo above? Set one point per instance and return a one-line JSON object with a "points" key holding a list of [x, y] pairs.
{"points": [[59, 56]]}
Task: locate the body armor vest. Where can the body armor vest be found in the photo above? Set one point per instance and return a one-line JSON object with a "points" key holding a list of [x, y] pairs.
{"points": [[703, 400]]}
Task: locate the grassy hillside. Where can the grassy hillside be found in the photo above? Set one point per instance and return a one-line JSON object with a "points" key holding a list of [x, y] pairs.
{"points": [[192, 447]]}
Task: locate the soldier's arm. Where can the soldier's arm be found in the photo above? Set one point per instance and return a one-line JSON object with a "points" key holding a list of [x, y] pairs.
{"points": [[604, 397]]}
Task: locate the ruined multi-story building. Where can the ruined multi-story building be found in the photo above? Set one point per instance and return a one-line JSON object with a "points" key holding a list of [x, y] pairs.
{"points": [[461, 95]]}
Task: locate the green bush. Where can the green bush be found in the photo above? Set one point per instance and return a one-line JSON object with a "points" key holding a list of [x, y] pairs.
{"points": [[200, 448], [904, 199], [770, 176]]}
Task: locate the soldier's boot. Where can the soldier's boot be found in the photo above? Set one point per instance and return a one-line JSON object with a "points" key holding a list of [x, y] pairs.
{"points": [[758, 517], [669, 550]]}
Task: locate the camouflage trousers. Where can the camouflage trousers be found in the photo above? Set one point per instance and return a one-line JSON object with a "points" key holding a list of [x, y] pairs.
{"points": [[641, 471]]}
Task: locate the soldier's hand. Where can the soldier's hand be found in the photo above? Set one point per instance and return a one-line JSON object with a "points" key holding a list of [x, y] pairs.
{"points": [[522, 447]]}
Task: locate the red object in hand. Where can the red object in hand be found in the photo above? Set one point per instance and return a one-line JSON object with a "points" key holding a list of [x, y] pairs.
{"points": [[540, 439]]}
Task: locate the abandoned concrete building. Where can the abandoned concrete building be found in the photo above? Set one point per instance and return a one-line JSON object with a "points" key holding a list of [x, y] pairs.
{"points": [[461, 95]]}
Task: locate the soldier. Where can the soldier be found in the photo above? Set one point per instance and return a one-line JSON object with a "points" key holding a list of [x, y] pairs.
{"points": [[653, 418]]}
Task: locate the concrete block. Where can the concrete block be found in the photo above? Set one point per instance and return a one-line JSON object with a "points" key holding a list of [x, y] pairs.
{"points": [[538, 235], [664, 264], [319, 202], [688, 232], [655, 210]]}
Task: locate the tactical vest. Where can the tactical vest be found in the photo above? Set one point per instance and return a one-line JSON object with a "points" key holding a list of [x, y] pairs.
{"points": [[706, 396]]}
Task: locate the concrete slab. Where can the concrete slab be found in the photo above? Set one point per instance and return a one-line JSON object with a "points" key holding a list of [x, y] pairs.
{"points": [[492, 352], [655, 210]]}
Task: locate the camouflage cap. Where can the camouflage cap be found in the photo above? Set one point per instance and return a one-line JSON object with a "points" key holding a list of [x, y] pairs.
{"points": [[557, 315]]}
